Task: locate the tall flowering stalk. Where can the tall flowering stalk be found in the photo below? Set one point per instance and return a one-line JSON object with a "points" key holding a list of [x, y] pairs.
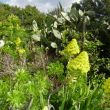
{"points": [[80, 63], [71, 49]]}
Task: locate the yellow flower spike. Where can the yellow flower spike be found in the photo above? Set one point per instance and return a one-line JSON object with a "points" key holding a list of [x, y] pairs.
{"points": [[106, 86], [18, 41], [21, 51], [71, 49], [79, 64]]}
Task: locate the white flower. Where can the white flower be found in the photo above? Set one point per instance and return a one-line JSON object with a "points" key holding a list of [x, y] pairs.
{"points": [[2, 43]]}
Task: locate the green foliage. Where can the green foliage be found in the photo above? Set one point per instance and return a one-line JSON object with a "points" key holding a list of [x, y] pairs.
{"points": [[54, 71], [11, 28], [31, 91], [106, 87], [4, 88], [23, 89], [26, 15], [76, 94], [14, 36], [55, 68]]}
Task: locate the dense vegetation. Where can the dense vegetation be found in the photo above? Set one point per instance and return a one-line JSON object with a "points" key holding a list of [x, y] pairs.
{"points": [[55, 61]]}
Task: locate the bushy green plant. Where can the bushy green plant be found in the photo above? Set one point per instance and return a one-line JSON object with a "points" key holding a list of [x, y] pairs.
{"points": [[4, 88], [55, 68], [76, 94], [25, 91], [14, 36]]}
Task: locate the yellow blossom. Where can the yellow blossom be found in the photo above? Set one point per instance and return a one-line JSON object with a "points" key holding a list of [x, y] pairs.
{"points": [[79, 64], [71, 49], [106, 86], [21, 51], [18, 41]]}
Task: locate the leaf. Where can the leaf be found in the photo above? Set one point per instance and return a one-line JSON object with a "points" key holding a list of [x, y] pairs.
{"points": [[53, 45], [74, 14], [35, 26], [55, 24], [81, 13], [65, 15], [60, 6], [36, 37], [90, 13], [56, 33], [87, 20], [61, 20], [108, 27], [2, 43], [55, 16]]}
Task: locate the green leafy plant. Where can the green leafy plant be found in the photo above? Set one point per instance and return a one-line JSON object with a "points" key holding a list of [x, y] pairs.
{"points": [[55, 68], [25, 91], [76, 94]]}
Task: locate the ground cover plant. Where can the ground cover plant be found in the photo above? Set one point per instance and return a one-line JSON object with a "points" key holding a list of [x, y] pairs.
{"points": [[58, 64]]}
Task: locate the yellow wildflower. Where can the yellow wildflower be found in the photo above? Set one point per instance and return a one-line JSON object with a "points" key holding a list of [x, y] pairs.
{"points": [[79, 64], [18, 41], [21, 51], [106, 86], [71, 49]]}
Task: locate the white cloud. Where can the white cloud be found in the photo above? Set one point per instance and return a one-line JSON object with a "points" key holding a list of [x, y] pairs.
{"points": [[38, 3], [43, 5]]}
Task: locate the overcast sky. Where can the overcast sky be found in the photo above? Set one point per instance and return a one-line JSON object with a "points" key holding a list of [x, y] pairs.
{"points": [[42, 5]]}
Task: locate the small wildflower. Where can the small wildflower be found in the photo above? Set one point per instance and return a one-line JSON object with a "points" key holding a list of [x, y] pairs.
{"points": [[21, 51], [2, 43], [18, 41]]}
